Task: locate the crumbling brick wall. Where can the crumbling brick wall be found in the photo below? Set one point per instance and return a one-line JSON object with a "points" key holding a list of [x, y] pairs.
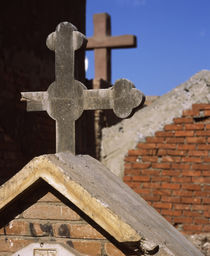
{"points": [[41, 216], [171, 170]]}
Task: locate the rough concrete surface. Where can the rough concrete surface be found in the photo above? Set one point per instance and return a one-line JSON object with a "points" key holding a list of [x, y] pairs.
{"points": [[118, 139], [105, 199]]}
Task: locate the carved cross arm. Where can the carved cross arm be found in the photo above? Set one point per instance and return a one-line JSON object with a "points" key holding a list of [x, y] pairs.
{"points": [[122, 97]]}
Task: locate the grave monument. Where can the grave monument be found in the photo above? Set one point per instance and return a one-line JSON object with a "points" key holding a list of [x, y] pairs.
{"points": [[118, 213]]}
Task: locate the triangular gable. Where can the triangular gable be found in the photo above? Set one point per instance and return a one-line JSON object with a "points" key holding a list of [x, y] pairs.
{"points": [[103, 197]]}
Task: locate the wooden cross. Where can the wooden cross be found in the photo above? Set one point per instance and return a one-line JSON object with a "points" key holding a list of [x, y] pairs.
{"points": [[67, 98], [102, 42]]}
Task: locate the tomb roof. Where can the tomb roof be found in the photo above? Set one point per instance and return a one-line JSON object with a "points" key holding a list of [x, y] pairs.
{"points": [[104, 198]]}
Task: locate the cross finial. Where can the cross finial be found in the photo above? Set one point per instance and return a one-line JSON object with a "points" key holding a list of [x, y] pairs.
{"points": [[66, 98], [102, 42]]}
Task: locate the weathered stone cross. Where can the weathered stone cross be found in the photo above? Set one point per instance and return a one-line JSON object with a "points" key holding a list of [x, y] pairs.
{"points": [[102, 42], [67, 98]]}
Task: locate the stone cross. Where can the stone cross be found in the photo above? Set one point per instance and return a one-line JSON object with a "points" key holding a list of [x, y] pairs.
{"points": [[102, 42], [67, 98]]}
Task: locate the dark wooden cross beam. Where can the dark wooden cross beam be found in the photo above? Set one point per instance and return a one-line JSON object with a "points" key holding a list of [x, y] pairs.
{"points": [[102, 42], [67, 98]]}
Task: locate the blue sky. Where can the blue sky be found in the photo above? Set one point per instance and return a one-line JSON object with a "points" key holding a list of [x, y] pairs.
{"points": [[173, 40]]}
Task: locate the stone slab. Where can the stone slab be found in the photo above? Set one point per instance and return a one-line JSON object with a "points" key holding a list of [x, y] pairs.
{"points": [[47, 249], [105, 199]]}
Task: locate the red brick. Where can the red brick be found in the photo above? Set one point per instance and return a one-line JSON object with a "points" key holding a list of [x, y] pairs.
{"points": [[49, 211], [149, 159], [207, 214], [175, 159], [196, 140], [132, 172], [191, 213], [200, 207], [201, 166], [154, 139], [85, 231], [190, 112], [182, 193], [161, 152], [141, 165], [206, 159], [182, 207], [161, 205], [184, 133], [92, 248], [133, 152], [151, 197], [183, 120], [191, 173], [160, 178], [49, 197], [201, 221], [206, 200], [174, 127], [170, 199], [130, 158], [194, 126], [142, 191], [175, 140], [164, 134], [150, 172], [16, 227], [142, 152], [206, 173], [166, 192], [191, 187], [166, 146], [161, 165], [192, 159], [194, 228], [198, 153], [206, 228], [183, 220], [141, 178], [111, 250], [186, 146], [127, 178], [128, 165], [207, 112], [208, 126], [151, 185], [201, 106], [201, 193], [171, 213], [172, 186], [181, 179], [201, 180], [170, 173], [180, 166], [188, 200], [203, 133], [12, 244], [176, 152], [147, 145]]}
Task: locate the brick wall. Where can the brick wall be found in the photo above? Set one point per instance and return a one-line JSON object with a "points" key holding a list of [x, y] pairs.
{"points": [[51, 218], [172, 170]]}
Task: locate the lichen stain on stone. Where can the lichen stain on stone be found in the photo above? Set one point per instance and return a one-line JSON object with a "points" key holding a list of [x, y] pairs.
{"points": [[64, 231], [47, 228]]}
